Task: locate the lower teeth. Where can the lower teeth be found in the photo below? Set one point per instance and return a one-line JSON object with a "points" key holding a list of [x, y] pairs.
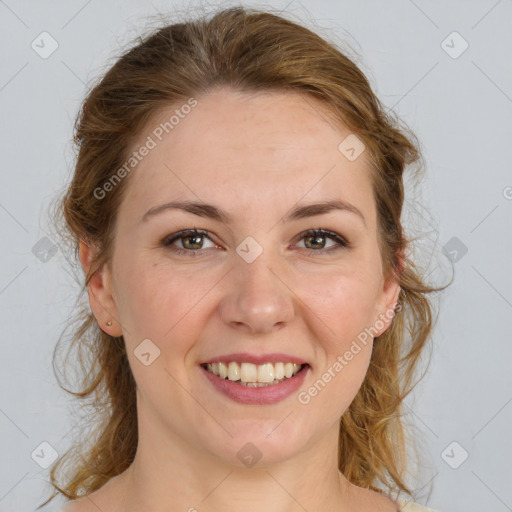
{"points": [[257, 384]]}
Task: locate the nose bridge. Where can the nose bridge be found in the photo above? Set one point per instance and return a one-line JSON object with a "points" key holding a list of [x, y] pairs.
{"points": [[258, 299]]}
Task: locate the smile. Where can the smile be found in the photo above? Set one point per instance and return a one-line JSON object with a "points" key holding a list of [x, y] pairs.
{"points": [[252, 375], [255, 384]]}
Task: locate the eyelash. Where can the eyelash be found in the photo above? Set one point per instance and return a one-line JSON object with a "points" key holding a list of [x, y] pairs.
{"points": [[342, 242]]}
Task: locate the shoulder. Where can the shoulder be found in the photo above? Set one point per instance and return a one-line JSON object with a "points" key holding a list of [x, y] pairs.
{"points": [[409, 506]]}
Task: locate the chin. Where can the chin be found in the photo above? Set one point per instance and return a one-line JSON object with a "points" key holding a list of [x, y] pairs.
{"points": [[258, 445]]}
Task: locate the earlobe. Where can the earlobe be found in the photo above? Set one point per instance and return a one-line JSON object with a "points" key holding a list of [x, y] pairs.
{"points": [[99, 289]]}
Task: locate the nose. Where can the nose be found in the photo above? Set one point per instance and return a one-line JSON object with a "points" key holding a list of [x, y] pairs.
{"points": [[259, 300]]}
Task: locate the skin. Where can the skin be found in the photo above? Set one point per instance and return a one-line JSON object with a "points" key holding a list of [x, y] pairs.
{"points": [[255, 156]]}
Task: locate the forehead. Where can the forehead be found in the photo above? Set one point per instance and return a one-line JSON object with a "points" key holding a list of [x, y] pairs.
{"points": [[248, 153]]}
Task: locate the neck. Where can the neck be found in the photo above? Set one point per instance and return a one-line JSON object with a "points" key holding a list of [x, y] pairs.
{"points": [[169, 474]]}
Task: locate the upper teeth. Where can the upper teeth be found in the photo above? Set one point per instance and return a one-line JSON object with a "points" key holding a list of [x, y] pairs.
{"points": [[248, 372]]}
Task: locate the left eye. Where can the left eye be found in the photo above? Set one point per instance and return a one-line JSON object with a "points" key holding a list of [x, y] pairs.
{"points": [[313, 235], [195, 244]]}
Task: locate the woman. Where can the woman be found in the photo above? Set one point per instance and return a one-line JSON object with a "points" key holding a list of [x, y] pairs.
{"points": [[256, 321]]}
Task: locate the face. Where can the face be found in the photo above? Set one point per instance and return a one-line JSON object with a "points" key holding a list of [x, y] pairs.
{"points": [[251, 286]]}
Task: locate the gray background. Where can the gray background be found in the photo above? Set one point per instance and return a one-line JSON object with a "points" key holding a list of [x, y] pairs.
{"points": [[460, 106]]}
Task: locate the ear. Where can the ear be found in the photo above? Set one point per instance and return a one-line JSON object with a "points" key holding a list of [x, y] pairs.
{"points": [[387, 301], [100, 290]]}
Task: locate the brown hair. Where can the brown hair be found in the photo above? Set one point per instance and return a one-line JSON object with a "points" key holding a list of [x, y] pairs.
{"points": [[247, 50]]}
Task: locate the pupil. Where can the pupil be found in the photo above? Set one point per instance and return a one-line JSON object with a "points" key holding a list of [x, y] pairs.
{"points": [[196, 237], [316, 238]]}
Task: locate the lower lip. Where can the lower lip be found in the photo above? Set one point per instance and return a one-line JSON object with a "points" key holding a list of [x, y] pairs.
{"points": [[259, 396]]}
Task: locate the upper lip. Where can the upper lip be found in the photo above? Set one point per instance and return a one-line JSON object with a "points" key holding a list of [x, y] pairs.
{"points": [[243, 357]]}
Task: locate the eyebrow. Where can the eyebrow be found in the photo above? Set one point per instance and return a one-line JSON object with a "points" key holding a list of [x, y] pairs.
{"points": [[212, 212]]}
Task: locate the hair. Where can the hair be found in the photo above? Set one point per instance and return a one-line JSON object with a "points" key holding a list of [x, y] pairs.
{"points": [[247, 50]]}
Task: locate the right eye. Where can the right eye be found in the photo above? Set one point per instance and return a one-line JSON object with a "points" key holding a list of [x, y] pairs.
{"points": [[195, 235]]}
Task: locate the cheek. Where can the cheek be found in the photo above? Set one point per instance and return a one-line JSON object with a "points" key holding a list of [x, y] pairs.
{"points": [[345, 312], [343, 302], [343, 308], [161, 304]]}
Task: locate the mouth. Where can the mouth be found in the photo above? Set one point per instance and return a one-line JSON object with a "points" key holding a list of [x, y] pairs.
{"points": [[255, 375]]}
